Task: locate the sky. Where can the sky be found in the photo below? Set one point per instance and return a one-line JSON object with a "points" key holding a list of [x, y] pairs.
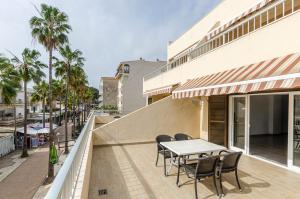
{"points": [[106, 31]]}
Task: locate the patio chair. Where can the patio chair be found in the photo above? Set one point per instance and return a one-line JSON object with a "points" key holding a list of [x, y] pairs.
{"points": [[162, 150], [182, 136], [229, 163], [205, 166]]}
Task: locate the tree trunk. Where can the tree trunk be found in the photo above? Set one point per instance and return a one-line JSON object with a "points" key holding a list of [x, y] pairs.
{"points": [[51, 133], [59, 123], [15, 125], [55, 115], [82, 112], [25, 153], [78, 109], [74, 120], [44, 116], [66, 112]]}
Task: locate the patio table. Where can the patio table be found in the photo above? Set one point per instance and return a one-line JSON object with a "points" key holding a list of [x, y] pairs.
{"points": [[190, 147]]}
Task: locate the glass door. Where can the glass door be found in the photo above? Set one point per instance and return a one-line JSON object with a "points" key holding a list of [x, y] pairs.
{"points": [[238, 122], [296, 132]]}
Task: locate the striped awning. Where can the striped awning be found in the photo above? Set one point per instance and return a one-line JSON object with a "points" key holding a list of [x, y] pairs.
{"points": [[160, 90], [255, 8], [275, 74]]}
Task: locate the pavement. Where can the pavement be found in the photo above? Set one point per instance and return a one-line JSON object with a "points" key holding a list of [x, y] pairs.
{"points": [[23, 178], [24, 181]]}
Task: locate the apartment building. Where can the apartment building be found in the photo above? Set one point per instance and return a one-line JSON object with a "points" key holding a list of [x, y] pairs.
{"points": [[231, 79], [108, 91], [241, 64], [130, 86]]}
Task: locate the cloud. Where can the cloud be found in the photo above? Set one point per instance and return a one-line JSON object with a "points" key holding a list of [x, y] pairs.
{"points": [[107, 32]]}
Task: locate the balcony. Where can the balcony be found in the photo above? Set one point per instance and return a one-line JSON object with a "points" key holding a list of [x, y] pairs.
{"points": [[115, 159], [129, 170], [123, 69]]}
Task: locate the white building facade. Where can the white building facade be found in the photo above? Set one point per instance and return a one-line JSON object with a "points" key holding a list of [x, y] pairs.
{"points": [[130, 87]]}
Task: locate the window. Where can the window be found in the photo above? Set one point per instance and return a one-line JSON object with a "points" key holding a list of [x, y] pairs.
{"points": [[287, 7], [251, 25], [194, 53], [126, 68], [264, 18], [214, 43], [240, 28], [235, 33], [230, 36], [205, 48], [257, 22], [245, 28], [200, 50], [296, 5], [221, 40], [226, 37], [271, 13], [150, 100], [218, 42], [279, 11]]}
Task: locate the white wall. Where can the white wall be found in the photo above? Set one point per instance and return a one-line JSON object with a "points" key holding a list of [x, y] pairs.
{"points": [[131, 85]]}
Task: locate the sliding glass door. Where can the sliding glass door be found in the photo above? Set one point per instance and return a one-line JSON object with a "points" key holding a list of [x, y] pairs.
{"points": [[296, 131], [238, 117], [274, 117]]}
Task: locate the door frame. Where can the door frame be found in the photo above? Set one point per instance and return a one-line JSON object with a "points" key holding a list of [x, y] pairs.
{"points": [[231, 124], [291, 132]]}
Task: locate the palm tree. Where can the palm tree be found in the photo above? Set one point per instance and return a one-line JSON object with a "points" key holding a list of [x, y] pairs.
{"points": [[40, 92], [50, 29], [58, 93], [29, 69], [9, 86], [64, 67], [87, 99], [78, 83]]}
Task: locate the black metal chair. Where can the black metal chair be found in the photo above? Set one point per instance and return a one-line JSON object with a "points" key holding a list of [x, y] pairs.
{"points": [[229, 163], [162, 150], [204, 167], [182, 136]]}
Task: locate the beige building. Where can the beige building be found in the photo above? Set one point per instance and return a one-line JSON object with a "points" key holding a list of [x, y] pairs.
{"points": [[231, 79], [241, 64], [108, 91], [130, 87]]}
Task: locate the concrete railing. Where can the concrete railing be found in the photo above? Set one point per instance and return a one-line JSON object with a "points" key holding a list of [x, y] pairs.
{"points": [[166, 116], [66, 181], [157, 72]]}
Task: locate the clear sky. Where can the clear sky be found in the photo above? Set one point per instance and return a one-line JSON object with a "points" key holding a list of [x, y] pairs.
{"points": [[106, 31]]}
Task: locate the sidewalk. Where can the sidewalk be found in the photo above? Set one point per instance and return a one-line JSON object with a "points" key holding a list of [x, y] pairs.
{"points": [[24, 181], [22, 178]]}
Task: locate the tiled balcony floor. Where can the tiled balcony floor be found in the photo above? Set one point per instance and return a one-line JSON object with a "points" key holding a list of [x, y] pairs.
{"points": [[129, 171]]}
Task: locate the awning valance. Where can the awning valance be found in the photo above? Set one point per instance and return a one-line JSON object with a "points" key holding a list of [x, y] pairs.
{"points": [[278, 73], [161, 90]]}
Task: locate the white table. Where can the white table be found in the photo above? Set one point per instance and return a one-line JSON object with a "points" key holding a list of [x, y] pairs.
{"points": [[190, 147]]}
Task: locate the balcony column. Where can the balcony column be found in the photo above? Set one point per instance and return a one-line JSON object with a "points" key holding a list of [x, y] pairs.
{"points": [[204, 118]]}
